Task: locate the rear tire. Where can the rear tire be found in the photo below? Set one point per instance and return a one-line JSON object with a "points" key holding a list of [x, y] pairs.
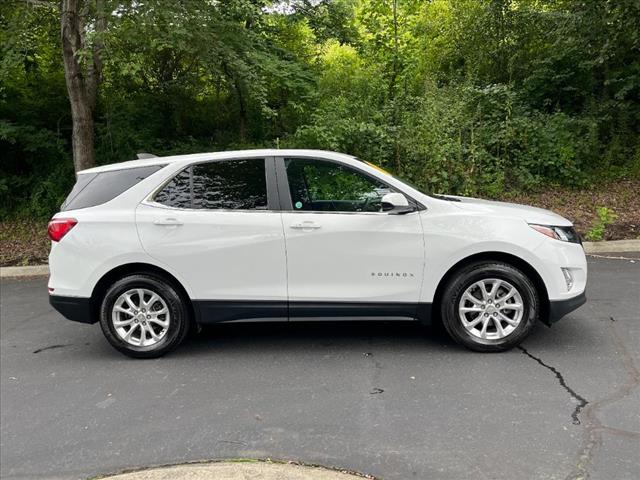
{"points": [[485, 320], [144, 316]]}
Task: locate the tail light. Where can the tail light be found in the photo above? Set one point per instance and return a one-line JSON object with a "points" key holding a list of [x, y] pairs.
{"points": [[58, 227]]}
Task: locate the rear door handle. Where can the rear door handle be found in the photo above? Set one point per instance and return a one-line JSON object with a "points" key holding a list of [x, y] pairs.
{"points": [[168, 222], [305, 226]]}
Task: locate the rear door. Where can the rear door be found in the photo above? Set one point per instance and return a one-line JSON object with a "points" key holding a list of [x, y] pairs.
{"points": [[346, 258], [217, 224]]}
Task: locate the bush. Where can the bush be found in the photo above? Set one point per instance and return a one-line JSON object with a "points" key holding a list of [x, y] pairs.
{"points": [[37, 171], [458, 139], [606, 216]]}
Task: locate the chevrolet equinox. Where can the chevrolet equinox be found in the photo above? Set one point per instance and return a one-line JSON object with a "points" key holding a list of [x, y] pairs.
{"points": [[152, 247]]}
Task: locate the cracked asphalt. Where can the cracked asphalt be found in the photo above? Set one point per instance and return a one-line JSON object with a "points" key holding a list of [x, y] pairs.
{"points": [[389, 399]]}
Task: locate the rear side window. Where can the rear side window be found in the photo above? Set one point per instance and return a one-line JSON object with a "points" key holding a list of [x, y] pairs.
{"points": [[230, 185], [93, 189]]}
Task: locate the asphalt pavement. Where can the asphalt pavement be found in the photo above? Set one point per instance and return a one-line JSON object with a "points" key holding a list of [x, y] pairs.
{"points": [[394, 400]]}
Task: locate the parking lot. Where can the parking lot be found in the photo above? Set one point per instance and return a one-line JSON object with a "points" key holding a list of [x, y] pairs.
{"points": [[393, 400]]}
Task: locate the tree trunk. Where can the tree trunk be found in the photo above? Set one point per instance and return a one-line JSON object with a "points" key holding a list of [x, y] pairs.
{"points": [[392, 86], [82, 86], [242, 121], [242, 108], [82, 138]]}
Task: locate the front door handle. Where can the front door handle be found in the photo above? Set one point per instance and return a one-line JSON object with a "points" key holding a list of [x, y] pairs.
{"points": [[308, 225], [168, 222]]}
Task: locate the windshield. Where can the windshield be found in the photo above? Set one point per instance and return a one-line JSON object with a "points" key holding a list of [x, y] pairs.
{"points": [[403, 180]]}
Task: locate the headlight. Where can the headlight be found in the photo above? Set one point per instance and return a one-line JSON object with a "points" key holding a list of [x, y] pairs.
{"points": [[564, 234]]}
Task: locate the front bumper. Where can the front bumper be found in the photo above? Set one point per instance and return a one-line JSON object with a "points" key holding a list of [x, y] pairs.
{"points": [[77, 309], [559, 308]]}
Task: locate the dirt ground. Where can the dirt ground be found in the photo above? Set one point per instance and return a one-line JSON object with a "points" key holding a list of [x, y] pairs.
{"points": [[579, 206]]}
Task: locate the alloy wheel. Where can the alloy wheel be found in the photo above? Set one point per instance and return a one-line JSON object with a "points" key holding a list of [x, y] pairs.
{"points": [[140, 317], [491, 309]]}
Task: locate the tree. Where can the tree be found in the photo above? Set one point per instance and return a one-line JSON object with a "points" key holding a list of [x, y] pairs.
{"points": [[82, 29], [467, 96]]}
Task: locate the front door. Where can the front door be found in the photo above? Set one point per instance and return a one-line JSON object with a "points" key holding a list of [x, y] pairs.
{"points": [[346, 258], [216, 224]]}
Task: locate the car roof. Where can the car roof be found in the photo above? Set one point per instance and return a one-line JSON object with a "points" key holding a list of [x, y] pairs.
{"points": [[229, 155]]}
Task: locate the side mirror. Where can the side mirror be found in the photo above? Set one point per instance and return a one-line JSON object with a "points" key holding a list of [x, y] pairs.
{"points": [[395, 204]]}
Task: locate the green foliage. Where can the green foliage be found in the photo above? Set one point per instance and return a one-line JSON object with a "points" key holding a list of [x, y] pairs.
{"points": [[462, 96], [606, 216], [37, 171]]}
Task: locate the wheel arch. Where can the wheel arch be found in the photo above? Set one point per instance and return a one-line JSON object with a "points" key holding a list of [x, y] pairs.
{"points": [[132, 268], [508, 258]]}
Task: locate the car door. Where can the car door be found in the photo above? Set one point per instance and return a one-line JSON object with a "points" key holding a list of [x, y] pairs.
{"points": [[217, 225], [346, 258]]}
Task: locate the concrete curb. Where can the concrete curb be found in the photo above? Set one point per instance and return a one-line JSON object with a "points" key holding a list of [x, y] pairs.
{"points": [[238, 471], [612, 246], [33, 271]]}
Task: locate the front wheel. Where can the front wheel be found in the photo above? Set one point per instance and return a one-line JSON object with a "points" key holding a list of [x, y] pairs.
{"points": [[489, 306], [143, 316]]}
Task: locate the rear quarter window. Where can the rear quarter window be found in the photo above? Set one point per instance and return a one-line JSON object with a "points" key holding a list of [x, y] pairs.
{"points": [[93, 189]]}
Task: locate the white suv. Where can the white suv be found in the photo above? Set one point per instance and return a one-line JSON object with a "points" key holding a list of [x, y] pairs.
{"points": [[151, 247]]}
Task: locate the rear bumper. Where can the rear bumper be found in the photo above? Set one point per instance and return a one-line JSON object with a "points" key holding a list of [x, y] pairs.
{"points": [[77, 309], [559, 308]]}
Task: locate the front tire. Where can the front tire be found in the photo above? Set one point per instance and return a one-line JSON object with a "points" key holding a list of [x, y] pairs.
{"points": [[489, 306], [144, 316]]}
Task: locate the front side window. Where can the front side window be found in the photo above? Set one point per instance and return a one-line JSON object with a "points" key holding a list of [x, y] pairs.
{"points": [[229, 184], [322, 186]]}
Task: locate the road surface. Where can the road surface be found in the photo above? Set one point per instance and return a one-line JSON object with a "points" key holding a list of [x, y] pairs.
{"points": [[389, 399]]}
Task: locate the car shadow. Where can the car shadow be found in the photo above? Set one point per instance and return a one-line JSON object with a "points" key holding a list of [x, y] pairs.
{"points": [[345, 336], [314, 336], [238, 340]]}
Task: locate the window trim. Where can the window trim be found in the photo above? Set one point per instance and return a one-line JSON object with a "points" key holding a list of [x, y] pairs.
{"points": [[284, 191], [273, 204]]}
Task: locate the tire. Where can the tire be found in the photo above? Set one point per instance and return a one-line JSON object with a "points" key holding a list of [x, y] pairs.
{"points": [[459, 312], [162, 331]]}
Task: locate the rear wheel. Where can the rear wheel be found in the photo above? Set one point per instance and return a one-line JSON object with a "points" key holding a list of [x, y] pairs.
{"points": [[489, 306], [143, 316]]}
